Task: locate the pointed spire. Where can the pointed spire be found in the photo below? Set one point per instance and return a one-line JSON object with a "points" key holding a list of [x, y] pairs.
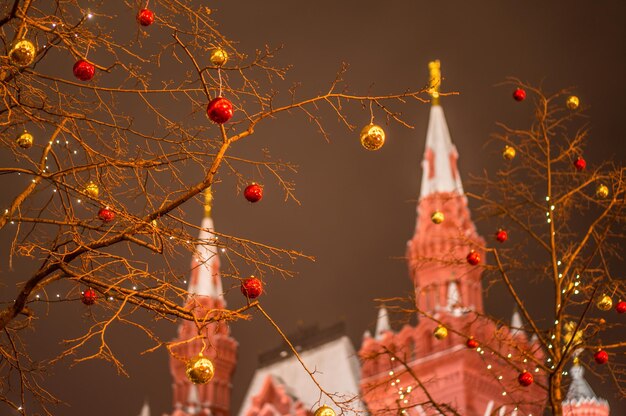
{"points": [[192, 399], [382, 323], [145, 409], [440, 172], [516, 323], [579, 388], [367, 334]]}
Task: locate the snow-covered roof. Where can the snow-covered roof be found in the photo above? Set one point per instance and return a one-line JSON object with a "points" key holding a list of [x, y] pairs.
{"points": [[579, 389], [205, 279], [382, 323], [336, 367], [440, 173], [145, 409]]}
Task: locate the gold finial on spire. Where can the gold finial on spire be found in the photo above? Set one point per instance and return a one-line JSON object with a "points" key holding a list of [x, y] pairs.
{"points": [[435, 81], [208, 202]]}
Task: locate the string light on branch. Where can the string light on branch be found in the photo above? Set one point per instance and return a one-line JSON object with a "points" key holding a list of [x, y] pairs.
{"points": [[25, 140], [219, 57], [22, 53], [199, 369], [325, 411]]}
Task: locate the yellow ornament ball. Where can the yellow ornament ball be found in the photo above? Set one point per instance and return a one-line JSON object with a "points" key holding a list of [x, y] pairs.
{"points": [[440, 332], [509, 152], [219, 57], [199, 370], [602, 191], [572, 102], [437, 217], [92, 189], [372, 137], [22, 53], [605, 303], [25, 140], [325, 411]]}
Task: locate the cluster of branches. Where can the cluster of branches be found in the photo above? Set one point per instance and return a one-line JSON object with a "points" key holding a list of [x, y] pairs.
{"points": [[139, 132]]}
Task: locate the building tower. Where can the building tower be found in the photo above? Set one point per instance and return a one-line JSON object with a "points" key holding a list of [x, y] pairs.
{"points": [[206, 297], [580, 399], [448, 291]]}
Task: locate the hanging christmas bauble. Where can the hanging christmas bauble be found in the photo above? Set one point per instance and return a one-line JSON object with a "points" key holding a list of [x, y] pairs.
{"points": [[572, 102], [220, 110], [219, 57], [502, 235], [602, 191], [25, 140], [199, 369], [325, 411], [440, 332], [525, 379], [601, 357], [372, 137], [621, 306], [253, 192], [89, 297], [519, 94], [145, 17], [473, 258], [22, 53], [106, 215], [437, 217], [580, 163], [92, 189], [471, 343], [84, 70], [251, 287], [509, 152], [605, 303]]}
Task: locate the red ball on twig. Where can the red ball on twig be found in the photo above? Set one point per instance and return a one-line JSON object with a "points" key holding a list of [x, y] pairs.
{"points": [[252, 287], [84, 70]]}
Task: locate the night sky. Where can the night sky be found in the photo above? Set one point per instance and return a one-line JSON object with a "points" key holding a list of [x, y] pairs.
{"points": [[357, 207]]}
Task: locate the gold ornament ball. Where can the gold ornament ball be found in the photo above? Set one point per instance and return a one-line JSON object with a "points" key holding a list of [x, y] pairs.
{"points": [[22, 53], [219, 57], [25, 140], [572, 102], [437, 217], [605, 303], [602, 191], [372, 137], [440, 332], [509, 152], [92, 189], [325, 411], [199, 370]]}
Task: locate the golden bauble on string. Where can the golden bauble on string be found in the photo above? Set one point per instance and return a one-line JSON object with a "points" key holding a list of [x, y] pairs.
{"points": [[372, 137], [509, 152], [92, 189], [605, 303], [602, 191], [199, 369], [325, 411], [572, 102], [219, 57], [440, 332], [437, 217], [25, 140], [22, 53]]}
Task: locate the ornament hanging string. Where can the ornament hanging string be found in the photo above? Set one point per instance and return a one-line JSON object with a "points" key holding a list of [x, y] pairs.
{"points": [[371, 112], [87, 51], [147, 4], [219, 74]]}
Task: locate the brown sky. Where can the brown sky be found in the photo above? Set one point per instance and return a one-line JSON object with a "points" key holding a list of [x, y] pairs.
{"points": [[358, 207]]}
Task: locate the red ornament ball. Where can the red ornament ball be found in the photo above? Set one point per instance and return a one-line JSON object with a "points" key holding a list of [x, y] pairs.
{"points": [[253, 192], [220, 110], [89, 297], [471, 343], [621, 306], [502, 235], [473, 258], [525, 379], [519, 94], [145, 17], [252, 287], [83, 70], [580, 164], [106, 215], [601, 357]]}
